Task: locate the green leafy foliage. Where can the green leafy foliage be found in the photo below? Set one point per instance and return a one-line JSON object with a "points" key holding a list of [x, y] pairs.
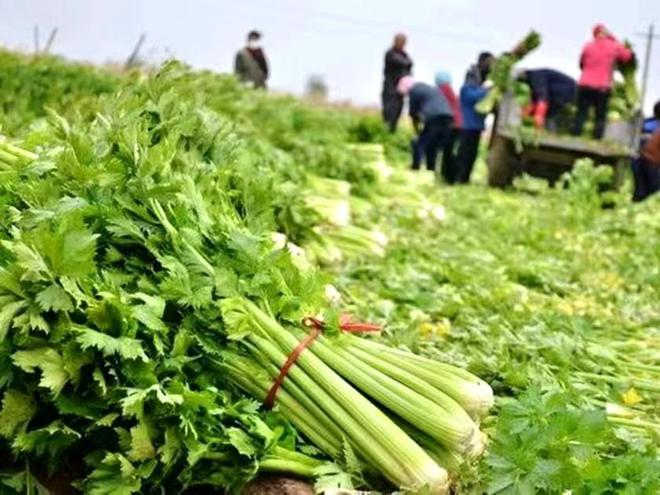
{"points": [[119, 242], [544, 445], [30, 84]]}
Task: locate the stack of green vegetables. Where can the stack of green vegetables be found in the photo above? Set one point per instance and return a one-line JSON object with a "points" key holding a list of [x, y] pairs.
{"points": [[31, 84], [500, 73], [539, 291], [432, 402], [140, 287], [336, 236]]}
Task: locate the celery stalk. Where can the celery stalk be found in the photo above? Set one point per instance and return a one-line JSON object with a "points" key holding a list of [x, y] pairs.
{"points": [[390, 449]]}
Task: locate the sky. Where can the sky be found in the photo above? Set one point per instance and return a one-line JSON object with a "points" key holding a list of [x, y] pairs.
{"points": [[342, 40]]}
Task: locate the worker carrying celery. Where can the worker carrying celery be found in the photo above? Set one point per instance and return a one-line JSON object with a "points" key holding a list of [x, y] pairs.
{"points": [[551, 92], [598, 60]]}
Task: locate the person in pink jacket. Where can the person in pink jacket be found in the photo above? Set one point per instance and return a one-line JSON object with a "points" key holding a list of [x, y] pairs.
{"points": [[598, 61]]}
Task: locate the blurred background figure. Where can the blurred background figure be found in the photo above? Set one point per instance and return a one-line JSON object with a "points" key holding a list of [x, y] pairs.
{"points": [[250, 65], [432, 118], [552, 91], [598, 61], [474, 123], [478, 73], [397, 65], [646, 168], [443, 81]]}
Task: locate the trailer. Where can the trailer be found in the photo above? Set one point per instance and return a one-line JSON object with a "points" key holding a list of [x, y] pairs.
{"points": [[515, 150]]}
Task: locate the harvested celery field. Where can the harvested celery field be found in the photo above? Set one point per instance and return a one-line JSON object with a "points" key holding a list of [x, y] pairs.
{"points": [[169, 240]]}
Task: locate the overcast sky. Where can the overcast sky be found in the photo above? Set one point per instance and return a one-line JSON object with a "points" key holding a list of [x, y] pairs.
{"points": [[343, 40]]}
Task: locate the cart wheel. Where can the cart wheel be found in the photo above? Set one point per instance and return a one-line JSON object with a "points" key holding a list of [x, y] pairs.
{"points": [[502, 162]]}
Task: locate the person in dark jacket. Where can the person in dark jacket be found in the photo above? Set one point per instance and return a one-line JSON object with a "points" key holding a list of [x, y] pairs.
{"points": [[250, 65], [432, 117], [551, 92], [646, 168], [397, 65]]}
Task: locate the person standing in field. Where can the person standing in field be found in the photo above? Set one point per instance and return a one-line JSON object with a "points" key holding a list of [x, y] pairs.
{"points": [[462, 148], [250, 65], [443, 81], [474, 123], [397, 65], [432, 118], [478, 73], [598, 61]]}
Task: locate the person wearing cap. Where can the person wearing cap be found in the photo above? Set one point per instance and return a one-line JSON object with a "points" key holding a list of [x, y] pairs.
{"points": [[551, 92], [443, 82], [397, 64], [432, 118], [250, 65], [598, 61]]}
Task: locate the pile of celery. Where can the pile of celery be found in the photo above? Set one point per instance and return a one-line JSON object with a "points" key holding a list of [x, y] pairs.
{"points": [[336, 237], [500, 73], [405, 416]]}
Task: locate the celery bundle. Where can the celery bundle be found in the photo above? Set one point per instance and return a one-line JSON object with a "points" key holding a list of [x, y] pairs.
{"points": [[336, 237], [630, 89], [403, 415], [500, 74], [11, 155], [355, 241]]}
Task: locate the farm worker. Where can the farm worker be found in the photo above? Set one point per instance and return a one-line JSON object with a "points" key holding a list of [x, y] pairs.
{"points": [[432, 117], [250, 65], [462, 148], [472, 91], [551, 91], [598, 60], [397, 65], [646, 168], [443, 82], [478, 73]]}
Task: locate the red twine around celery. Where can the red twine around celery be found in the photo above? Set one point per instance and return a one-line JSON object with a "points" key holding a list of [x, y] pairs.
{"points": [[317, 326]]}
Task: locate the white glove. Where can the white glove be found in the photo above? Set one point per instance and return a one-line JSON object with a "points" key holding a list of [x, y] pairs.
{"points": [[488, 83]]}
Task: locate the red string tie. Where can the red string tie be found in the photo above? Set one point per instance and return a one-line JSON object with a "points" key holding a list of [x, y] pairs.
{"points": [[317, 326]]}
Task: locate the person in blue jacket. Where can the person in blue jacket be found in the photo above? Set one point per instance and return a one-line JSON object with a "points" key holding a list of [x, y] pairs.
{"points": [[469, 137], [432, 118]]}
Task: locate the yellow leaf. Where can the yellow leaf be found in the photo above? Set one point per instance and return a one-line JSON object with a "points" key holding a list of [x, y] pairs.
{"points": [[631, 397], [441, 328]]}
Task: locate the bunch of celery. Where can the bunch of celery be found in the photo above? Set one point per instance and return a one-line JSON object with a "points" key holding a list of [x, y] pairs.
{"points": [[630, 90], [405, 416], [353, 241], [336, 238], [11, 155], [500, 74]]}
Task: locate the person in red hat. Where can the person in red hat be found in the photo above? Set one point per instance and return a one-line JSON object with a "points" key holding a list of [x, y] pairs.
{"points": [[598, 61]]}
